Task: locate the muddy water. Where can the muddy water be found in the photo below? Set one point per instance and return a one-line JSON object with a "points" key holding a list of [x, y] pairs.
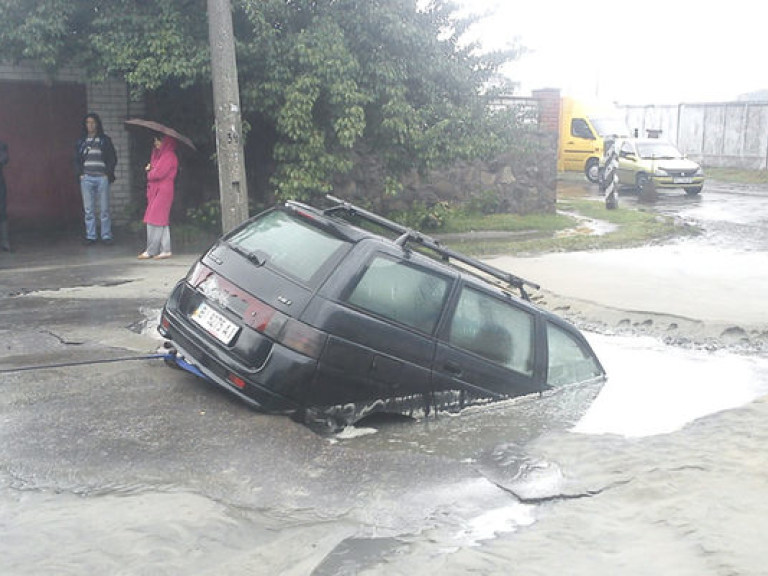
{"points": [[191, 482], [136, 469], [732, 216]]}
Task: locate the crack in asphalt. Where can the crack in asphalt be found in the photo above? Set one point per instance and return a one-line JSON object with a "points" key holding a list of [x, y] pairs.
{"points": [[62, 340], [590, 493], [559, 497]]}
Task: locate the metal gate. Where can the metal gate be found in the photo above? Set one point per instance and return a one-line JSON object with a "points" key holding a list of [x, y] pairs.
{"points": [[40, 123]]}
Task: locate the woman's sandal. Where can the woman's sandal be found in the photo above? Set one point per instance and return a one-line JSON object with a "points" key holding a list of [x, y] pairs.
{"points": [[163, 255], [144, 256]]}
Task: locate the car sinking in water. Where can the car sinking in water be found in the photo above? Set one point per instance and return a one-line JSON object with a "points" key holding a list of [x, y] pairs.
{"points": [[308, 311]]}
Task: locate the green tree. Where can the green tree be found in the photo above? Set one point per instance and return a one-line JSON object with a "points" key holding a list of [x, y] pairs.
{"points": [[327, 78]]}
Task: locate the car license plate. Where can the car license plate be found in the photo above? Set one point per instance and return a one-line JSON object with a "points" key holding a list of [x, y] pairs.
{"points": [[682, 180], [214, 323]]}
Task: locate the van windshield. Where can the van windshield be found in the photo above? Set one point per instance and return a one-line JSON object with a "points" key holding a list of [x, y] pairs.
{"points": [[610, 126], [287, 244]]}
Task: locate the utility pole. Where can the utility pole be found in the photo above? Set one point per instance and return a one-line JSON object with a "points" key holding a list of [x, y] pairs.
{"points": [[233, 188]]}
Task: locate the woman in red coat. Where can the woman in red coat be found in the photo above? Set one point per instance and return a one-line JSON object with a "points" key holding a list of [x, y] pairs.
{"points": [[161, 173]]}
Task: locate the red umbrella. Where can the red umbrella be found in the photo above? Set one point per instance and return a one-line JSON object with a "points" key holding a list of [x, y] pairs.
{"points": [[162, 129]]}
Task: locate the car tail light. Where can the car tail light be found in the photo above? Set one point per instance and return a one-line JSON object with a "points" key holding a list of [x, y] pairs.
{"points": [[303, 338], [164, 325], [236, 381], [289, 332], [198, 274], [263, 318]]}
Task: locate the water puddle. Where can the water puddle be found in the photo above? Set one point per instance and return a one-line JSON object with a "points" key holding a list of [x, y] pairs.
{"points": [[388, 492], [655, 389], [586, 226], [652, 388]]}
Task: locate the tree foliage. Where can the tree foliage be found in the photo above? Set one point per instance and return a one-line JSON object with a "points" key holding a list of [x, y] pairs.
{"points": [[329, 77]]}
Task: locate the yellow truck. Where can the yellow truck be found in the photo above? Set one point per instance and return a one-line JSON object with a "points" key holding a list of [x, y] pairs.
{"points": [[583, 128]]}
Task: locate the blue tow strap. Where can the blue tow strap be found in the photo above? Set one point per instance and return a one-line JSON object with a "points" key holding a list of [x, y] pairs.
{"points": [[184, 365]]}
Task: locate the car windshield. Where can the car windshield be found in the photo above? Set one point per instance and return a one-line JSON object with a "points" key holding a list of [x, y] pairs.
{"points": [[287, 244], [610, 126], [658, 150]]}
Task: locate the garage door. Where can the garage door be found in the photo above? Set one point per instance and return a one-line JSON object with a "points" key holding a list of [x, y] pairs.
{"points": [[41, 123]]}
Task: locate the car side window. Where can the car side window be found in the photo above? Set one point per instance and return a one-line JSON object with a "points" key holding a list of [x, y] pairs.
{"points": [[626, 148], [580, 129], [569, 362], [402, 292], [494, 329]]}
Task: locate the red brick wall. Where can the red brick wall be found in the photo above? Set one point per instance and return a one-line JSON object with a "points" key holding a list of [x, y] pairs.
{"points": [[549, 108]]}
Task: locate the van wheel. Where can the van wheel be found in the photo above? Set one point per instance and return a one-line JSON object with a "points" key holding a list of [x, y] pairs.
{"points": [[592, 170]]}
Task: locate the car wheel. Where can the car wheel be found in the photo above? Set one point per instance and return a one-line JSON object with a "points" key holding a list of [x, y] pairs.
{"points": [[320, 421], [646, 188], [592, 170], [693, 190], [641, 182]]}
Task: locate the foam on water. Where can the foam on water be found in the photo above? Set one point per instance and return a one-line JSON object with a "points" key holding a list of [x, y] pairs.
{"points": [[351, 432], [491, 523], [655, 389]]}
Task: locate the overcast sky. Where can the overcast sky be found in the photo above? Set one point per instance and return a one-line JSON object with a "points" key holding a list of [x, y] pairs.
{"points": [[632, 51]]}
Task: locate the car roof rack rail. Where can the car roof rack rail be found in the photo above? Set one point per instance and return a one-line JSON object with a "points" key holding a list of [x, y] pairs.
{"points": [[407, 235]]}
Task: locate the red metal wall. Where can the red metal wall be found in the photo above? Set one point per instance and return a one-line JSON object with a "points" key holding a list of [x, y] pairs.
{"points": [[41, 123]]}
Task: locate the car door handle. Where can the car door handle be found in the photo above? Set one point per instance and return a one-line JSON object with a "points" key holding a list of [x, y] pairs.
{"points": [[452, 368]]}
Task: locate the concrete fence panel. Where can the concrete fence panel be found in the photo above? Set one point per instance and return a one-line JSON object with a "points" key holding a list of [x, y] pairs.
{"points": [[756, 135], [690, 132], [735, 128], [728, 134], [714, 130]]}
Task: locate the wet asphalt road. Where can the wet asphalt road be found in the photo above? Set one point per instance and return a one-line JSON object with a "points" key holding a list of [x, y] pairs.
{"points": [[134, 468], [732, 215]]}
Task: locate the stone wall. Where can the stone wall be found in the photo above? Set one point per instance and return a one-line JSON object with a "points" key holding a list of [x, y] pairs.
{"points": [[521, 181]]}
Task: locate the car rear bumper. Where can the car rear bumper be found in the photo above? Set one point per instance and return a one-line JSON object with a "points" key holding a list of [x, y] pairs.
{"points": [[275, 386]]}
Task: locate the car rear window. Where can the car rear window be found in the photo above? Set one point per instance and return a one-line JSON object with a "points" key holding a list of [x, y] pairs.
{"points": [[287, 244]]}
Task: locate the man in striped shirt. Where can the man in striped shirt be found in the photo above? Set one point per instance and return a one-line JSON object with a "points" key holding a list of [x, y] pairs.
{"points": [[95, 162]]}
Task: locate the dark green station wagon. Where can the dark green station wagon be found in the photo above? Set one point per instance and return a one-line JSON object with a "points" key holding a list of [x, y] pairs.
{"points": [[308, 311]]}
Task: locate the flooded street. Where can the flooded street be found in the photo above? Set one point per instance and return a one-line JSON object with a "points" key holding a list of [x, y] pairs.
{"points": [[134, 468]]}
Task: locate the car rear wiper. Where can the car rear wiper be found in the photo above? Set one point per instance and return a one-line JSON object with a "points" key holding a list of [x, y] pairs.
{"points": [[257, 256]]}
